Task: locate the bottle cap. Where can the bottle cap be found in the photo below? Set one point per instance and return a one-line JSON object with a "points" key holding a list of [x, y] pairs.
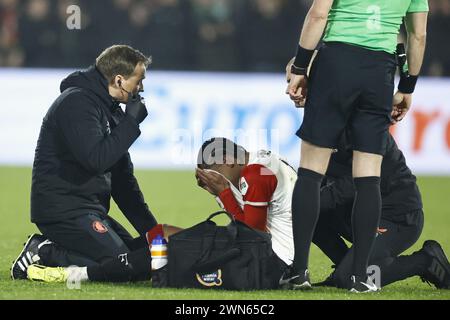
{"points": [[158, 240]]}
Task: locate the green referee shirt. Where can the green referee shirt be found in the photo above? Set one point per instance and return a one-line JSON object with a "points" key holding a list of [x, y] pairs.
{"points": [[373, 24]]}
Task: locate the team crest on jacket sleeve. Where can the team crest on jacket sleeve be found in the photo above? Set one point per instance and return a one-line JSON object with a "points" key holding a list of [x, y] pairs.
{"points": [[99, 227]]}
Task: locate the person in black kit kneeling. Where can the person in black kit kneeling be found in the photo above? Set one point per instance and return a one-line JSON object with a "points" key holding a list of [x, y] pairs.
{"points": [[400, 226], [82, 160]]}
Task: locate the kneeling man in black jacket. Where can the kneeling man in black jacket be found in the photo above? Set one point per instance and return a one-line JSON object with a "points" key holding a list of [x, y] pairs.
{"points": [[82, 160]]}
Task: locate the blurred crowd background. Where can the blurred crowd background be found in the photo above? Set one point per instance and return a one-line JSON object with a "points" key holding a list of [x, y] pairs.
{"points": [[203, 35]]}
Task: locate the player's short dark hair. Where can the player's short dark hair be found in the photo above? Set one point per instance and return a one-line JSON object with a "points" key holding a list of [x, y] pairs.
{"points": [[120, 59], [215, 150]]}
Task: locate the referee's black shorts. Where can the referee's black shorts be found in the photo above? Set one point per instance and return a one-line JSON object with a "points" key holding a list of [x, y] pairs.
{"points": [[349, 87]]}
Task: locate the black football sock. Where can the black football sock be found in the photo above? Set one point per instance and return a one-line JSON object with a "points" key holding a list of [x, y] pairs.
{"points": [[133, 266], [365, 220], [305, 213]]}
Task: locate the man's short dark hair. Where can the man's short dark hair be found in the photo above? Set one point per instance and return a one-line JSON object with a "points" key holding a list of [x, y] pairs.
{"points": [[215, 150], [120, 59]]}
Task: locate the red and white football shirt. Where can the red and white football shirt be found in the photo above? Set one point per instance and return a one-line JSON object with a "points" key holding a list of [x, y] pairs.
{"points": [[263, 200]]}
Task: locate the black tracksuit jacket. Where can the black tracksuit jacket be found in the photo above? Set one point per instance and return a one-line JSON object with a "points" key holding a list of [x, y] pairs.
{"points": [[82, 160]]}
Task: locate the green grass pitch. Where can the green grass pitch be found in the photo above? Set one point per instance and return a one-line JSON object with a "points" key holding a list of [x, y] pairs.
{"points": [[175, 199]]}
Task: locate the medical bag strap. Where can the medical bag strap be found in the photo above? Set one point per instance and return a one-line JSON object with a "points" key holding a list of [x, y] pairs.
{"points": [[231, 227], [205, 264]]}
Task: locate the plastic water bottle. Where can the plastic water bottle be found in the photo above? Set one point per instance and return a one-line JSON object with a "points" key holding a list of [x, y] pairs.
{"points": [[159, 252]]}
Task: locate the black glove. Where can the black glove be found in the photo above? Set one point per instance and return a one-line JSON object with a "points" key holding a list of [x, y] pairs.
{"points": [[135, 108]]}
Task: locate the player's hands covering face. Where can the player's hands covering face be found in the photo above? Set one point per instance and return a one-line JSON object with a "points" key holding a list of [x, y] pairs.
{"points": [[211, 181]]}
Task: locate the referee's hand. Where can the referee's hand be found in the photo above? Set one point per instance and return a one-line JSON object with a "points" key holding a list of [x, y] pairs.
{"points": [[401, 103], [299, 100]]}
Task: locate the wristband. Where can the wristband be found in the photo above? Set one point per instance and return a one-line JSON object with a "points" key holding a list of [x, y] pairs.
{"points": [[407, 84], [303, 57], [298, 70]]}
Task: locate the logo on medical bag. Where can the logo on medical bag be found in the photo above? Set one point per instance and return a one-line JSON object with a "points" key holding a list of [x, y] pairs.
{"points": [[210, 279], [99, 227]]}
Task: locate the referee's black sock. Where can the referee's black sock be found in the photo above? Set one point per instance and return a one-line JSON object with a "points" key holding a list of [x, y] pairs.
{"points": [[305, 213], [365, 220]]}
